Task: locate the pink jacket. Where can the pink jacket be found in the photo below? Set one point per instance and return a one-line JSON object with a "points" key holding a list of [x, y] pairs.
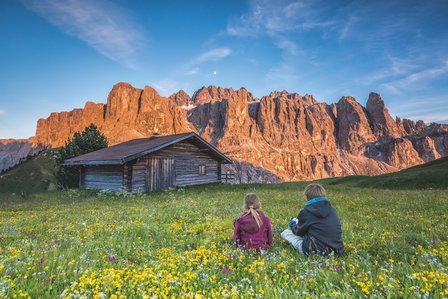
{"points": [[247, 234]]}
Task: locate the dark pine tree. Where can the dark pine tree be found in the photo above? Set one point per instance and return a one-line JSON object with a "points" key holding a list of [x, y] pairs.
{"points": [[82, 143]]}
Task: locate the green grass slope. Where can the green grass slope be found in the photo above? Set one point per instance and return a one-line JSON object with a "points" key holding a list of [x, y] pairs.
{"points": [[34, 175], [433, 174]]}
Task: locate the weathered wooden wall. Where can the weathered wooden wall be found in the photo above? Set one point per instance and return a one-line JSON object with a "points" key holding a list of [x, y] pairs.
{"points": [[174, 166], [153, 171], [160, 173], [138, 179], [102, 177], [187, 158], [127, 177]]}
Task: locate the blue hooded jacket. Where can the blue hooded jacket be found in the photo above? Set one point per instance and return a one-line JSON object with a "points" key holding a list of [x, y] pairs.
{"points": [[320, 226]]}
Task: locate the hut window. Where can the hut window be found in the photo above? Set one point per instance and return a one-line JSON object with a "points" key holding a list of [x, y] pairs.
{"points": [[202, 169]]}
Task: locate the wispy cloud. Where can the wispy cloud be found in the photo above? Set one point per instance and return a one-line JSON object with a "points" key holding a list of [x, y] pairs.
{"points": [[395, 67], [428, 116], [212, 55], [429, 108], [99, 23], [192, 67], [282, 22], [416, 79], [284, 75], [438, 117], [381, 26], [247, 24], [2, 112], [193, 71], [346, 29], [166, 87], [415, 104], [273, 17], [286, 44]]}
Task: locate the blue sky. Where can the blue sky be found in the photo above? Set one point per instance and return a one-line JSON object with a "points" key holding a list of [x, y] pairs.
{"points": [[56, 55]]}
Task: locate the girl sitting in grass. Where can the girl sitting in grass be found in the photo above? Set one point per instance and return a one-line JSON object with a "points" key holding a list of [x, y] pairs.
{"points": [[253, 228]]}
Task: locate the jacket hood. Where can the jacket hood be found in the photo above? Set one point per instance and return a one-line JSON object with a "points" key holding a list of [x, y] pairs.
{"points": [[248, 223], [319, 209]]}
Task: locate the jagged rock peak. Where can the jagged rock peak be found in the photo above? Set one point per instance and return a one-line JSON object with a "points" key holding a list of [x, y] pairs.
{"points": [[122, 99], [374, 101], [181, 98], [122, 85], [348, 100], [354, 127], [205, 95], [309, 100], [277, 94], [212, 94], [383, 124], [285, 95]]}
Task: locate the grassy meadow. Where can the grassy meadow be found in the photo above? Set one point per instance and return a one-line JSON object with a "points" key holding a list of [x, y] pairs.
{"points": [[35, 175], [178, 244]]}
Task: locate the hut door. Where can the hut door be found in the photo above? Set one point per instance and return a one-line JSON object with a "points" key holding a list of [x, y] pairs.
{"points": [[159, 174]]}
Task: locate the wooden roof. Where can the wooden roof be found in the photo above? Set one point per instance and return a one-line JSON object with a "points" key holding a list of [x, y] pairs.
{"points": [[121, 153]]}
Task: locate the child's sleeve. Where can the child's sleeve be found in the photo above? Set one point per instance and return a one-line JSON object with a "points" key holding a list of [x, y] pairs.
{"points": [[301, 228], [269, 228], [236, 234]]}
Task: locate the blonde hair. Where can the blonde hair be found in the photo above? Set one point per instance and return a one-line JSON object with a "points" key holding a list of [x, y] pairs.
{"points": [[251, 205], [314, 190]]}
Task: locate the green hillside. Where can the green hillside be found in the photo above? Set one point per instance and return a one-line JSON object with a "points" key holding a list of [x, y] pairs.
{"points": [[34, 175], [37, 175], [433, 174]]}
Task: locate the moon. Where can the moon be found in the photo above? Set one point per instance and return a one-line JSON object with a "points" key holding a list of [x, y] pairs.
{"points": [[214, 73]]}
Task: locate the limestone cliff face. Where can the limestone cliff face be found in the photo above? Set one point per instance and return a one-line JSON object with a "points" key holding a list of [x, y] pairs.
{"points": [[181, 98], [284, 134], [14, 151], [400, 153], [354, 128], [384, 126], [129, 113], [58, 127]]}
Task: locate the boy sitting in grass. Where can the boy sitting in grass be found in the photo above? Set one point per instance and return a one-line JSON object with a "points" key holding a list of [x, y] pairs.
{"points": [[317, 228]]}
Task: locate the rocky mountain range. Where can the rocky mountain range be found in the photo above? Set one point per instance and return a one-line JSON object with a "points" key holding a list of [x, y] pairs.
{"points": [[15, 151], [281, 136]]}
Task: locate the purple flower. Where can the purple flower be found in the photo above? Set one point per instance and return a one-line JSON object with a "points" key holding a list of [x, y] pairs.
{"points": [[225, 271], [45, 279], [231, 256], [40, 261], [111, 258]]}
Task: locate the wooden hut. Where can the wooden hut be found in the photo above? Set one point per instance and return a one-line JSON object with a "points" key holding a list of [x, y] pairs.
{"points": [[151, 164]]}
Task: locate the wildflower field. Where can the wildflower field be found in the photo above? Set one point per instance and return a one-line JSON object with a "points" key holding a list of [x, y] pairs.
{"points": [[177, 244]]}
